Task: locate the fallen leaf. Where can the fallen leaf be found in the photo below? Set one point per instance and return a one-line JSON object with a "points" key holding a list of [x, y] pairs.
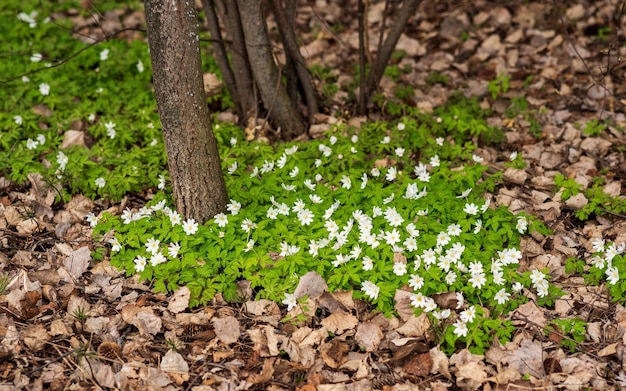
{"points": [[227, 329], [368, 335], [339, 322], [419, 365], [527, 358], [77, 305], [530, 312], [266, 373], [147, 322], [262, 307], [172, 361], [441, 363], [179, 300], [416, 326], [470, 376], [35, 337], [311, 285], [334, 353], [78, 262]]}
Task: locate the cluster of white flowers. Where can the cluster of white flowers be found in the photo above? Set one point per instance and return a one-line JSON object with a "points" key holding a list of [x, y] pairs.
{"points": [[605, 259], [465, 317], [28, 18], [44, 89], [540, 283], [33, 144], [104, 55], [110, 127]]}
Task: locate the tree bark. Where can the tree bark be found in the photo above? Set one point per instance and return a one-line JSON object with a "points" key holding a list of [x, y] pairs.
{"points": [[239, 58], [275, 98], [192, 155], [362, 107], [222, 57], [382, 57], [291, 47]]}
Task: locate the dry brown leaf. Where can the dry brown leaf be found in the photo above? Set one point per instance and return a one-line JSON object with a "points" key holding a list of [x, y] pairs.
{"points": [[97, 324], [530, 312], [470, 376], [73, 137], [402, 304], [419, 365], [299, 353], [227, 329], [406, 348], [59, 327], [146, 322], [29, 304], [339, 322], [30, 226], [266, 372], [101, 372], [12, 215], [311, 285], [334, 353], [35, 337], [78, 262], [416, 326], [579, 371], [329, 302], [527, 358], [77, 304], [179, 300], [368, 335], [173, 361], [515, 176], [262, 307], [577, 201]]}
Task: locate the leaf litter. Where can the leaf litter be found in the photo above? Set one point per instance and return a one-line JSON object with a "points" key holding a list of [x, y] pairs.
{"points": [[69, 322]]}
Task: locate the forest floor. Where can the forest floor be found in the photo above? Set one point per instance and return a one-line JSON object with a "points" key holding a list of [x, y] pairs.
{"points": [[562, 60]]}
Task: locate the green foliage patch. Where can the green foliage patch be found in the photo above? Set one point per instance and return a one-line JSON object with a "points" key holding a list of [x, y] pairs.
{"points": [[372, 210]]}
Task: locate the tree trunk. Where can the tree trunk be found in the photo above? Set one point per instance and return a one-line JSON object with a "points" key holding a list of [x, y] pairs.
{"points": [[239, 58], [222, 57], [275, 98], [192, 155], [293, 52], [382, 57]]}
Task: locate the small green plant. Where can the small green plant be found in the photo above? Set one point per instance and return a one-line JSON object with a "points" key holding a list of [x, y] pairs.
{"points": [[574, 265], [604, 33], [328, 78], [4, 283], [568, 186], [528, 81], [518, 106], [172, 344], [499, 86], [301, 302], [594, 127], [437, 78], [80, 314], [404, 92], [605, 264], [571, 332]]}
